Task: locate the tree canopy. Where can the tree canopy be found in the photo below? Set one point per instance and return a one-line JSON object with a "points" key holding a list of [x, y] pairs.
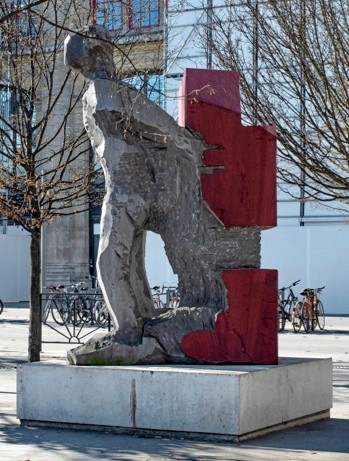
{"points": [[45, 167]]}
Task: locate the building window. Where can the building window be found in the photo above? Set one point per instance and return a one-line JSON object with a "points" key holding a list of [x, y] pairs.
{"points": [[7, 133], [150, 85], [108, 13], [134, 15], [144, 13], [24, 21], [5, 102], [19, 24], [14, 104]]}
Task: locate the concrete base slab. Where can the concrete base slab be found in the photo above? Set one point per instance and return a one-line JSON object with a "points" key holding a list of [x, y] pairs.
{"points": [[232, 402]]}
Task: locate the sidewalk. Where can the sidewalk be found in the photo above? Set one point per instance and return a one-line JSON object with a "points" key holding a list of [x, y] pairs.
{"points": [[322, 441]]}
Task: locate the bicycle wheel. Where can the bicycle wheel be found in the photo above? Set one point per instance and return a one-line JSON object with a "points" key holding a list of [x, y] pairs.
{"points": [[59, 310], [46, 310], [297, 317], [158, 304], [306, 318], [320, 315], [84, 310], [78, 311], [101, 314], [281, 319], [1, 306], [175, 302], [289, 311]]}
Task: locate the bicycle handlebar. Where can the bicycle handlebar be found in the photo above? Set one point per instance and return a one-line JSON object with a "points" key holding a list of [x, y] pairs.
{"points": [[315, 289], [164, 287], [55, 288], [292, 285], [80, 286], [307, 291]]}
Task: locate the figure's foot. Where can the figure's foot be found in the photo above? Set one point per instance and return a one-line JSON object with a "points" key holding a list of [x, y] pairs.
{"points": [[170, 327], [104, 349], [160, 343]]}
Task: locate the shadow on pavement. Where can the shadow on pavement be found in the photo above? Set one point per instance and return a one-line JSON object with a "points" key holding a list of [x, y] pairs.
{"points": [[315, 332], [324, 436], [316, 438], [10, 362], [14, 321]]}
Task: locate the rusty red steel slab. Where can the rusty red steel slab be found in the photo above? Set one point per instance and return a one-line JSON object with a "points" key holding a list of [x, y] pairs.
{"points": [[241, 189], [239, 186], [247, 331]]}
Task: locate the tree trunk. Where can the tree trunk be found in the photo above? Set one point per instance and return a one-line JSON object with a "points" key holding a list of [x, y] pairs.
{"points": [[34, 343]]}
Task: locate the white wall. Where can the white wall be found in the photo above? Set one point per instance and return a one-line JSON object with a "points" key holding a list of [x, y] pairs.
{"points": [[14, 267], [318, 255], [159, 270]]}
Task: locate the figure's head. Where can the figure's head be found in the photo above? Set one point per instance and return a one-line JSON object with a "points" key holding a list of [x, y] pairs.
{"points": [[90, 53]]}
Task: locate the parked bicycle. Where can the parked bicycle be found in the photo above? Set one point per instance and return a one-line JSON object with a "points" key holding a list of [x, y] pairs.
{"points": [[101, 313], [78, 308], [65, 304], [56, 304], [165, 297], [309, 313], [157, 293], [95, 309], [172, 297], [286, 304]]}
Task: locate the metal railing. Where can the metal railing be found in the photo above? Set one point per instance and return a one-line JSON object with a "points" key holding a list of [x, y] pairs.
{"points": [[74, 316]]}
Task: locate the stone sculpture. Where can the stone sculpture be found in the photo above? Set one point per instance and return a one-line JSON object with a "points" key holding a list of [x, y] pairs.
{"points": [[153, 174]]}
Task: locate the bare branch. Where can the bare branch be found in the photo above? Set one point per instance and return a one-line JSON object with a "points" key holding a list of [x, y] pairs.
{"points": [[295, 74]]}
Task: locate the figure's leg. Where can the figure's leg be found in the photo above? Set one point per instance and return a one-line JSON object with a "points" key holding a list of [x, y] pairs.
{"points": [[189, 255], [139, 281], [120, 267]]}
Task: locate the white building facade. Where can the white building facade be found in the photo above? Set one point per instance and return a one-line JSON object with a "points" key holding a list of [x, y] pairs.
{"points": [[310, 242]]}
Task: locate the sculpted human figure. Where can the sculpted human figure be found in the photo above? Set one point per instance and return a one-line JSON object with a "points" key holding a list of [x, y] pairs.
{"points": [[151, 168]]}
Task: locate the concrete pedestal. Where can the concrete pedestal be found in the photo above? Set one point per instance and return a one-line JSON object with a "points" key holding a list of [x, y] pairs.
{"points": [[232, 402]]}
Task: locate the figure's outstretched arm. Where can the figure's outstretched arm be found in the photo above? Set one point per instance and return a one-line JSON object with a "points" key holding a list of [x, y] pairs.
{"points": [[144, 119]]}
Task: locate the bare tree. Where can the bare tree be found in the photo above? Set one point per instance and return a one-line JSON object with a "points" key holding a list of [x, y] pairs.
{"points": [[138, 52], [293, 57], [10, 10], [45, 169]]}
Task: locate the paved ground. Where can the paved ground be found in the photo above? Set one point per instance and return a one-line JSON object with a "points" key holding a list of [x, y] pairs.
{"points": [[322, 441]]}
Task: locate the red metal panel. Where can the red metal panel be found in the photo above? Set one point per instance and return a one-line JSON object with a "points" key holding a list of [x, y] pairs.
{"points": [[239, 185], [241, 191], [217, 87], [247, 331]]}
